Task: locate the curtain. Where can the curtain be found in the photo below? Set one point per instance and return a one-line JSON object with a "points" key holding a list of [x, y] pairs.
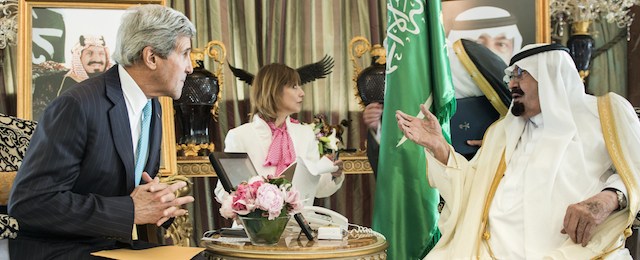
{"points": [[633, 61], [296, 33], [609, 69]]}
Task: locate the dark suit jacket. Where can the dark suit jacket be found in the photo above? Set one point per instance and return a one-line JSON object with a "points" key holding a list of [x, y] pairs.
{"points": [[71, 194], [373, 151]]}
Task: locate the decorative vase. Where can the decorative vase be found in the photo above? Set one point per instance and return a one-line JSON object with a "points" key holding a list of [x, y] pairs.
{"points": [[262, 231], [194, 112], [580, 46]]}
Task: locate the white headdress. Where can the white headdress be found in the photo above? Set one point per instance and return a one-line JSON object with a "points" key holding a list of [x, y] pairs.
{"points": [[77, 71], [470, 24]]}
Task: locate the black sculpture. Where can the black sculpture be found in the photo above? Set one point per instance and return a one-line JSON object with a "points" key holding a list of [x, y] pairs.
{"points": [[308, 73]]}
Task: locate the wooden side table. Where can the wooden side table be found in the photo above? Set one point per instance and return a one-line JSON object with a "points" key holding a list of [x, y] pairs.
{"points": [[361, 246]]}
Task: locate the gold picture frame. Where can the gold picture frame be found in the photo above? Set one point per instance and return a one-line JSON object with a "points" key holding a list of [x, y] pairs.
{"points": [[98, 17], [538, 31]]}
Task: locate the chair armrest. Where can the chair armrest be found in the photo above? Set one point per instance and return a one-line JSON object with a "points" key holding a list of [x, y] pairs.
{"points": [[6, 182]]}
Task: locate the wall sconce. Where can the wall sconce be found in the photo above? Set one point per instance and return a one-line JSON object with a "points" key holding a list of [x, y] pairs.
{"points": [[199, 102], [581, 14], [368, 83]]}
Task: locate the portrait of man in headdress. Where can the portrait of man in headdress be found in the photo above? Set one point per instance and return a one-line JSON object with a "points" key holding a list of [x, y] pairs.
{"points": [[68, 46], [89, 57], [491, 26], [499, 25], [482, 35]]}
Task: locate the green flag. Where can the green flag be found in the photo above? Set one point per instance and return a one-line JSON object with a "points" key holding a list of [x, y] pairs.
{"points": [[417, 72]]}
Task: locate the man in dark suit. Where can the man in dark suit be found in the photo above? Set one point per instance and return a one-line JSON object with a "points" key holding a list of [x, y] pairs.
{"points": [[372, 116], [81, 187]]}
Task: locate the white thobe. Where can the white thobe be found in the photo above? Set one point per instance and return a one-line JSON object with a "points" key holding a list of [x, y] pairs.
{"points": [[465, 185], [506, 216]]}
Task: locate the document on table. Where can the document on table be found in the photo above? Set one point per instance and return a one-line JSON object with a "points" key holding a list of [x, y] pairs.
{"points": [[155, 253]]}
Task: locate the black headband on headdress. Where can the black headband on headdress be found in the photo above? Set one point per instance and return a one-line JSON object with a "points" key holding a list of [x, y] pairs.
{"points": [[536, 50]]}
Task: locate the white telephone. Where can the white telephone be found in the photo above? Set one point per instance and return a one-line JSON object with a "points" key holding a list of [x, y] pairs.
{"points": [[320, 217]]}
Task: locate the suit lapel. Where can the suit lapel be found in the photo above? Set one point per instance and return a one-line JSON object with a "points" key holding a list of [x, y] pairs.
{"points": [[261, 136], [155, 139], [119, 122]]}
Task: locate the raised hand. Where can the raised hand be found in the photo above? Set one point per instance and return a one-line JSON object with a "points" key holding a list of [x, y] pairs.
{"points": [[338, 163], [426, 132], [477, 143], [372, 115], [155, 202]]}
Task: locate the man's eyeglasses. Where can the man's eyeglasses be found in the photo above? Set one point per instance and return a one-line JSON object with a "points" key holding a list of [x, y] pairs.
{"points": [[515, 74]]}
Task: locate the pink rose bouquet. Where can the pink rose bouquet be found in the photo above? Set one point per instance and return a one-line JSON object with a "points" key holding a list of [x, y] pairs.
{"points": [[269, 197]]}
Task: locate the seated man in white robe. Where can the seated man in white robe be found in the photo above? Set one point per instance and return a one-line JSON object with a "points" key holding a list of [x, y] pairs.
{"points": [[557, 178]]}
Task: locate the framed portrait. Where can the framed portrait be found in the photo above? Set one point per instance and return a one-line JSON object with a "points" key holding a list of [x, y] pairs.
{"points": [[67, 41], [472, 18]]}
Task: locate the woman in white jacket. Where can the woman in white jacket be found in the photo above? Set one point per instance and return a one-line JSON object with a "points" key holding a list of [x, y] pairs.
{"points": [[273, 140]]}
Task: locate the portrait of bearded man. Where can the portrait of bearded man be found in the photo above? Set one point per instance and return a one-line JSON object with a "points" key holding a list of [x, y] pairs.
{"points": [[90, 57]]}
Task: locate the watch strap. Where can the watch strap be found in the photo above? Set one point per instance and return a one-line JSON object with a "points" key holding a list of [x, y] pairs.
{"points": [[622, 200]]}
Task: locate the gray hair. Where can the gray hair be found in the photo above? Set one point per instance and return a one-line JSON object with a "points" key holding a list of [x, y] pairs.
{"points": [[150, 25]]}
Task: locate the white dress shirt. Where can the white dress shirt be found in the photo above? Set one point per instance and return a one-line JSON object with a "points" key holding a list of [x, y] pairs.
{"points": [[506, 216], [135, 100]]}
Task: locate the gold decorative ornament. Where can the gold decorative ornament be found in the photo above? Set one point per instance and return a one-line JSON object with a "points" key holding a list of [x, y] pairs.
{"points": [[181, 229], [217, 51], [192, 149], [358, 46], [371, 79]]}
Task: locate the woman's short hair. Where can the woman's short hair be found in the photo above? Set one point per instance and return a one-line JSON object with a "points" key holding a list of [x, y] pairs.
{"points": [[267, 87], [150, 25]]}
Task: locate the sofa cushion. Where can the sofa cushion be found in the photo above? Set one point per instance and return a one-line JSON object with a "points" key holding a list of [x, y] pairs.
{"points": [[15, 135]]}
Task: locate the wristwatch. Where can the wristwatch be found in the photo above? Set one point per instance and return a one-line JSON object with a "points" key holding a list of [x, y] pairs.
{"points": [[622, 199]]}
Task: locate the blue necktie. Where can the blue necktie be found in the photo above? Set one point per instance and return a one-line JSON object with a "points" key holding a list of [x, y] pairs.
{"points": [[143, 143]]}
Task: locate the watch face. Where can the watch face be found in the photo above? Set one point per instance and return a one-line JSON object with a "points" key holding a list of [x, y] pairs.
{"points": [[622, 200]]}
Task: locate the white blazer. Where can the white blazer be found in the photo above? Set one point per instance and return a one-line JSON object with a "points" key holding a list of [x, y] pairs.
{"points": [[254, 138]]}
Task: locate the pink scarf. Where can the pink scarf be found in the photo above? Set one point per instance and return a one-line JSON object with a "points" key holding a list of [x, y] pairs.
{"points": [[281, 153]]}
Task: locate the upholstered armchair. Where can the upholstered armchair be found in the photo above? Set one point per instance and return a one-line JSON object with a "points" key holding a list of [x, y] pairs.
{"points": [[15, 135]]}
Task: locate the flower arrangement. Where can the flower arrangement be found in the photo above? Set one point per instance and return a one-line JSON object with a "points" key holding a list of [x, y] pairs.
{"points": [[268, 197], [329, 136]]}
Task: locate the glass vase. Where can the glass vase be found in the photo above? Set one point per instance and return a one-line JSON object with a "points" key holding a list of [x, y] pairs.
{"points": [[262, 231]]}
